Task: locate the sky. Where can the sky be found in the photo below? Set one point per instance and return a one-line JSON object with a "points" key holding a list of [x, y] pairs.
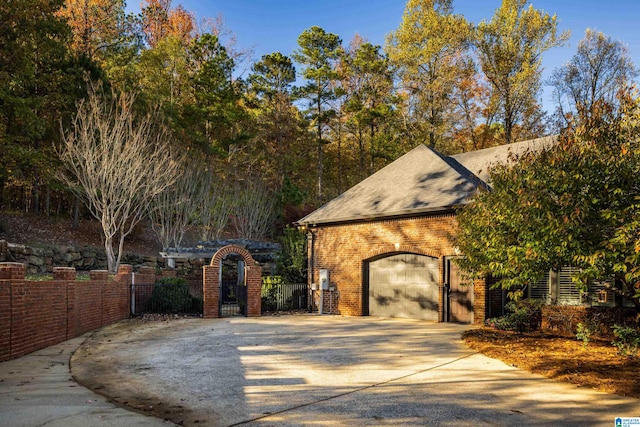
{"points": [[267, 26]]}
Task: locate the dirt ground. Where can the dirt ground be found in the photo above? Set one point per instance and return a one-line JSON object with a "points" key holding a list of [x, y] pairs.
{"points": [[562, 358], [40, 230]]}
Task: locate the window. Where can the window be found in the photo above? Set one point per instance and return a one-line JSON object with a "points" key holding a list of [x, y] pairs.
{"points": [[568, 294], [540, 289]]}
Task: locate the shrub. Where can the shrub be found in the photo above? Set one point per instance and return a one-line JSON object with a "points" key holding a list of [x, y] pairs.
{"points": [[627, 339], [171, 295], [270, 285], [586, 330], [522, 316]]}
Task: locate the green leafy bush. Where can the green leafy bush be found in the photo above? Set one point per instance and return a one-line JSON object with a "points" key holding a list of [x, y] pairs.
{"points": [[171, 295], [521, 316], [270, 286], [627, 339], [585, 331]]}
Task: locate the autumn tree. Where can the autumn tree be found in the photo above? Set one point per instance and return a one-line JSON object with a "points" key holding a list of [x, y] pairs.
{"points": [[277, 119], [214, 116], [39, 78], [165, 73], [598, 72], [427, 48], [318, 52], [370, 102], [117, 162], [97, 25], [575, 203], [473, 112], [159, 21], [510, 48]]}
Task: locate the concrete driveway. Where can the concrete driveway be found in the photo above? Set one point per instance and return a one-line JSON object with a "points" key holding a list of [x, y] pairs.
{"points": [[325, 370]]}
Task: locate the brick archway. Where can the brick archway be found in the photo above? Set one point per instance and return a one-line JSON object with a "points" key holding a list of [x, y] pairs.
{"points": [[211, 282]]}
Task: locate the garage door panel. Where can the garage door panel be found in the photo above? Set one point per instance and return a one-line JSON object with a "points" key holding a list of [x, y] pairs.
{"points": [[404, 285]]}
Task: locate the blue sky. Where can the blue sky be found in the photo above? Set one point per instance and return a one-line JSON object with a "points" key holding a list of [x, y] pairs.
{"points": [[267, 26]]}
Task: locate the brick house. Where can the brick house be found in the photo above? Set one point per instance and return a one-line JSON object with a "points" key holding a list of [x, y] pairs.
{"points": [[385, 246]]}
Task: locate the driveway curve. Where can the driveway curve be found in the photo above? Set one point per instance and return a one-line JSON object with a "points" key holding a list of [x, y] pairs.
{"points": [[325, 370]]}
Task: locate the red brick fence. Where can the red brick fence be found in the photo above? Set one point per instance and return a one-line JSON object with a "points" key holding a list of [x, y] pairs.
{"points": [[37, 314]]}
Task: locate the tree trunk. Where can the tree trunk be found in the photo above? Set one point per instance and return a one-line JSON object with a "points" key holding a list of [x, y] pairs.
{"points": [[75, 224], [47, 201]]}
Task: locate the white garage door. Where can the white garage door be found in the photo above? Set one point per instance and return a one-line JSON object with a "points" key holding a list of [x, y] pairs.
{"points": [[404, 285]]}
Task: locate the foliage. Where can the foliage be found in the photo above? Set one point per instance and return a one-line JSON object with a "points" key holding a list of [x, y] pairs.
{"points": [[575, 203], [521, 316], [291, 262], [171, 295], [359, 106], [627, 339], [369, 110], [585, 331], [270, 286], [429, 49], [510, 48], [318, 52], [599, 70]]}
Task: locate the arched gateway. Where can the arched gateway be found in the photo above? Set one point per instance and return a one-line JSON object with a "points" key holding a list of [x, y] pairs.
{"points": [[211, 276]]}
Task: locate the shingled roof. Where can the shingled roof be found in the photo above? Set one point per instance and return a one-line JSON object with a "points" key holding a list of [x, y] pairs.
{"points": [[421, 181]]}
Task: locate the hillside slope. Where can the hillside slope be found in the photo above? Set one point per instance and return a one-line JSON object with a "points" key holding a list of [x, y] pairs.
{"points": [[40, 230]]}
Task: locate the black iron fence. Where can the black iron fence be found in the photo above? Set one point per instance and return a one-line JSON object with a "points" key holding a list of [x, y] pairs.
{"points": [[284, 296], [179, 297], [167, 298]]}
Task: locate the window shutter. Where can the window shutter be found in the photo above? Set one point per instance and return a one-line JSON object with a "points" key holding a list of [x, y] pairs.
{"points": [[568, 294], [540, 289]]}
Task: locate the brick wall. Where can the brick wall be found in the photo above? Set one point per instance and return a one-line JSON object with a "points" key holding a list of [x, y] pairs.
{"points": [[34, 315], [344, 249]]}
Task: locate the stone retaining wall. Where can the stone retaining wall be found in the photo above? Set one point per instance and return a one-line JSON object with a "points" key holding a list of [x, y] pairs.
{"points": [[87, 258], [43, 259]]}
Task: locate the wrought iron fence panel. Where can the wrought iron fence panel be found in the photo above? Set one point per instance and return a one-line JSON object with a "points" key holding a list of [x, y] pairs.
{"points": [[160, 298], [284, 297]]}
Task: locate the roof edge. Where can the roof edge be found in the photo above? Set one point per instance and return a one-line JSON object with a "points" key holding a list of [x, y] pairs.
{"points": [[365, 218]]}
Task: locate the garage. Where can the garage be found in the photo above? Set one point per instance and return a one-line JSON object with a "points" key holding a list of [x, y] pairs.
{"points": [[403, 285]]}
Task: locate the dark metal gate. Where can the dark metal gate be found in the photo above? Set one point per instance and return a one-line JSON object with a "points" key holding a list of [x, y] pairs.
{"points": [[233, 298], [167, 298]]}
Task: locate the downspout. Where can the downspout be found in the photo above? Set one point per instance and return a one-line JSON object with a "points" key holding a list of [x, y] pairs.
{"points": [[133, 293], [310, 265]]}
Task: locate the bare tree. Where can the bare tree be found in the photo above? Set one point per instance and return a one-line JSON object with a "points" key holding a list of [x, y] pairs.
{"points": [[117, 162], [216, 206], [175, 210], [598, 72], [254, 210]]}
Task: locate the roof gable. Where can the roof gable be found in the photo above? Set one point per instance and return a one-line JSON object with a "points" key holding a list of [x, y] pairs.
{"points": [[420, 181], [479, 162]]}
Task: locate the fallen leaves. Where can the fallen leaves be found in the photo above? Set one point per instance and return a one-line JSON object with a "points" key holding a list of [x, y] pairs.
{"points": [[562, 358]]}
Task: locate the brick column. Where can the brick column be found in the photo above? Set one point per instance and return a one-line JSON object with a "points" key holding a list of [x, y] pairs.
{"points": [[211, 291], [99, 275], [124, 273], [64, 273], [10, 273], [254, 289], [479, 301]]}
